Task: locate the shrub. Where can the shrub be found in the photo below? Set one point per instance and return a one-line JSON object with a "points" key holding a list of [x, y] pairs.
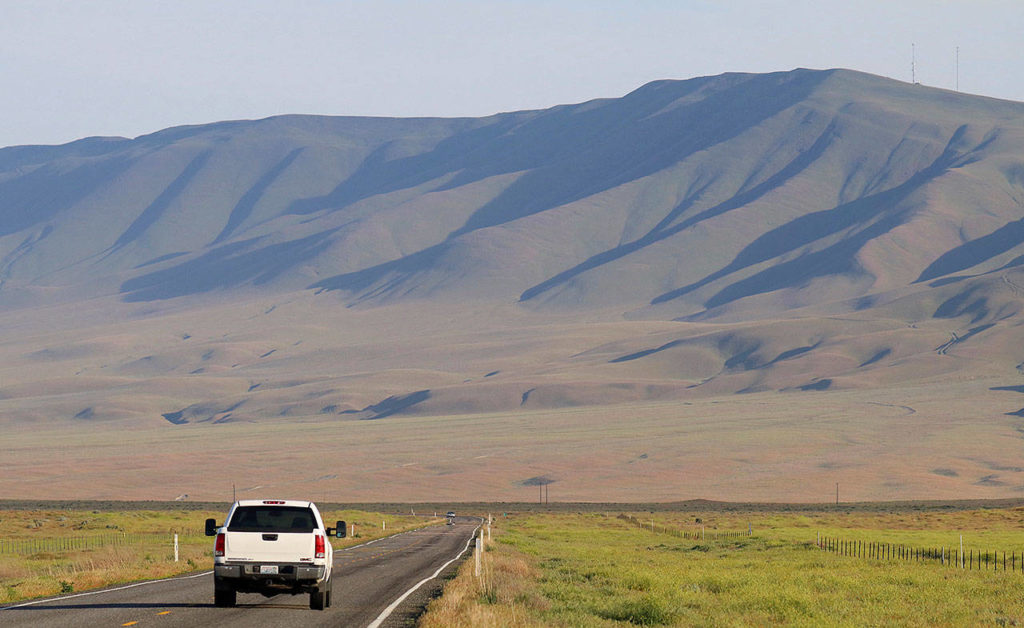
{"points": [[646, 610]]}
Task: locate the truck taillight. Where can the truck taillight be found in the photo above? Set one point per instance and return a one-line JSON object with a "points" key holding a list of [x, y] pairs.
{"points": [[321, 551], [218, 546]]}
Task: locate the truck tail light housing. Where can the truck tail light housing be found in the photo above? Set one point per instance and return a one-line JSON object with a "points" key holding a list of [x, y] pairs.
{"points": [[321, 550], [218, 546]]}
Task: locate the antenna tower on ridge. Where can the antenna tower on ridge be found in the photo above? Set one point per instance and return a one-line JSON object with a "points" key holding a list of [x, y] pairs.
{"points": [[913, 64], [958, 68]]}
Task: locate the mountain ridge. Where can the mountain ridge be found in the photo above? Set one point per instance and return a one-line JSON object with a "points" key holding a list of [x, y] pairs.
{"points": [[800, 278], [745, 177]]}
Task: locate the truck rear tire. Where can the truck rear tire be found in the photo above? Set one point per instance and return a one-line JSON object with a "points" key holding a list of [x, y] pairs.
{"points": [[324, 591], [317, 600], [224, 597]]}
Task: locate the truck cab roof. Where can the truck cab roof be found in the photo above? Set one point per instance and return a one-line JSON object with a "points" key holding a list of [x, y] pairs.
{"points": [[274, 502]]}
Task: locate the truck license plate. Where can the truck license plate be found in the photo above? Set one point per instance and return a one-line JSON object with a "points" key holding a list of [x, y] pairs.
{"points": [[268, 569]]}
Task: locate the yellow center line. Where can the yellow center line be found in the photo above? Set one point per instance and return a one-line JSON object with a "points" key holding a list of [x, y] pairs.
{"points": [[130, 623], [164, 613]]}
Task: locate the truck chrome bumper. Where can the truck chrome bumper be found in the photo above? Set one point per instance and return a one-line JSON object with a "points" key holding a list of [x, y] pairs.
{"points": [[284, 572]]}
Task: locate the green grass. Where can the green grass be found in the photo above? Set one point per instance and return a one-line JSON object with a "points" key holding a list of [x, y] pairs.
{"points": [[601, 570]]}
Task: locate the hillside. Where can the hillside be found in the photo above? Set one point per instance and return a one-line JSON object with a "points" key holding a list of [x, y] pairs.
{"points": [[807, 239], [690, 197]]}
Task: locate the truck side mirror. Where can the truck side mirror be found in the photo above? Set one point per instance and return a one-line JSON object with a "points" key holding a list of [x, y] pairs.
{"points": [[211, 527], [341, 530]]}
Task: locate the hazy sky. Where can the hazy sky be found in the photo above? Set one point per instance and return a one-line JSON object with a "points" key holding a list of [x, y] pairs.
{"points": [[71, 69]]}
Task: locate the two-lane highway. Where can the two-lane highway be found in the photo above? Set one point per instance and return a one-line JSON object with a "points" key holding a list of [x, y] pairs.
{"points": [[368, 579]]}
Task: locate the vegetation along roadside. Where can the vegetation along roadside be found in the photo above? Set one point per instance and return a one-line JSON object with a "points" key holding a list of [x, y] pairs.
{"points": [[52, 551], [733, 568]]}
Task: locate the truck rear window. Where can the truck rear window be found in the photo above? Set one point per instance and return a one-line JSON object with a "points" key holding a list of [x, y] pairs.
{"points": [[272, 519]]}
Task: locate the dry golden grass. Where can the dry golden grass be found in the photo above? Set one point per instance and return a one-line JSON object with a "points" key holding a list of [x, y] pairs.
{"points": [[503, 596], [148, 555], [49, 573]]}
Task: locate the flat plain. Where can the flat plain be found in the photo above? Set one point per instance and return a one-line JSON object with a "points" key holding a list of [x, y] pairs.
{"points": [[740, 287], [304, 397]]}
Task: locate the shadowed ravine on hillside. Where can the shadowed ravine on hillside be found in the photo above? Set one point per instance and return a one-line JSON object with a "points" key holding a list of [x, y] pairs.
{"points": [[864, 220], [665, 229], [975, 252], [224, 267], [156, 209], [42, 194], [242, 211], [570, 154]]}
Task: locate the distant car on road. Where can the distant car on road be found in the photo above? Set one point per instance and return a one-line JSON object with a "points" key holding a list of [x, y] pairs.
{"points": [[451, 517], [273, 546]]}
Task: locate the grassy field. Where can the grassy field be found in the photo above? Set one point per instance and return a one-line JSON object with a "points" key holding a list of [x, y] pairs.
{"points": [[600, 569], [146, 553]]}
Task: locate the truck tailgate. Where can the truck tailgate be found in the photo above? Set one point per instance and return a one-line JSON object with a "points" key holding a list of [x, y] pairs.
{"points": [[269, 546]]}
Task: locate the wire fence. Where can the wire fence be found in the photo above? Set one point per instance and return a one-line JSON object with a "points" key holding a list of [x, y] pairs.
{"points": [[25, 547], [953, 557], [697, 535]]}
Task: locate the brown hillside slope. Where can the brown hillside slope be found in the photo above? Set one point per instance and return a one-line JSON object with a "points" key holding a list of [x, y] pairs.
{"points": [[767, 282]]}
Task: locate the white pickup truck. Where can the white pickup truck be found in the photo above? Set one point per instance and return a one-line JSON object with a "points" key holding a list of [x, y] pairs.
{"points": [[273, 546]]}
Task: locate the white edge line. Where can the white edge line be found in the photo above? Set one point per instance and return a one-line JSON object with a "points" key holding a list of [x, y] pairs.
{"points": [[390, 609], [127, 586], [196, 575]]}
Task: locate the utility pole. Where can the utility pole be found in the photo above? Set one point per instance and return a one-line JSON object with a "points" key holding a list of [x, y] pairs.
{"points": [[913, 64], [958, 68], [837, 493]]}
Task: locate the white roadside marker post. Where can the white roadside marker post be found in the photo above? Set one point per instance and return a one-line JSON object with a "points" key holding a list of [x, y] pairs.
{"points": [[175, 547], [477, 553]]}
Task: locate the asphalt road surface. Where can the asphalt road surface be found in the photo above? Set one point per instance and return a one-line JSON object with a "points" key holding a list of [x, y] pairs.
{"points": [[368, 579]]}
